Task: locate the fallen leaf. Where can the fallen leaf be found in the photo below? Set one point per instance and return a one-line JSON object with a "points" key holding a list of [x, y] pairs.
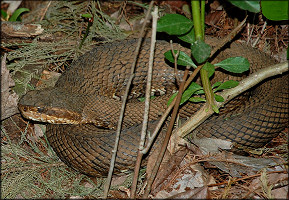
{"points": [[197, 193], [274, 178], [8, 96]]}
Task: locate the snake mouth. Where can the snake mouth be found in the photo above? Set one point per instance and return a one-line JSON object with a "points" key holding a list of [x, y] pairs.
{"points": [[55, 115], [50, 114]]}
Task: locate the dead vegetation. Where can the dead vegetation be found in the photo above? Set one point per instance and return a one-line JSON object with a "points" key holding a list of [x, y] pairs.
{"points": [[30, 168]]}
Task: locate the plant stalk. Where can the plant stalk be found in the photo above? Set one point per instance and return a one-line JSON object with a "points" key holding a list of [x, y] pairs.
{"points": [[197, 19], [208, 88], [199, 24], [167, 137], [203, 3]]}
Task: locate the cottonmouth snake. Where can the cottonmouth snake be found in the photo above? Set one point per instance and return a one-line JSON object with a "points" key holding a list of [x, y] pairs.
{"points": [[87, 97]]}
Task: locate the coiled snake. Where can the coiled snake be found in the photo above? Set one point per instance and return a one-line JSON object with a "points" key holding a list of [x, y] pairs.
{"points": [[84, 105]]}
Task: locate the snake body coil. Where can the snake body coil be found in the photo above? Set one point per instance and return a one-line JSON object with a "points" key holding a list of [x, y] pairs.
{"points": [[83, 107]]}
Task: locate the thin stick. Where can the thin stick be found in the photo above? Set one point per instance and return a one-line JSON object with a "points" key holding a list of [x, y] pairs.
{"points": [[253, 79], [46, 8], [168, 110], [250, 34], [244, 178], [147, 103], [167, 137], [175, 63], [190, 79], [261, 33], [229, 37], [114, 151], [282, 183]]}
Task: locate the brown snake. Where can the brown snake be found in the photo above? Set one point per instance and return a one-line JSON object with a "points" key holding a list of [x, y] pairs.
{"points": [[83, 107]]}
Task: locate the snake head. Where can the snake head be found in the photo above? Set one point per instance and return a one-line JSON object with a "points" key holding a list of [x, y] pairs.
{"points": [[49, 106], [57, 107]]}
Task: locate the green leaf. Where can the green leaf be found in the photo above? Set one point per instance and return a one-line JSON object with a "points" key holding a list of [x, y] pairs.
{"points": [[172, 98], [234, 64], [174, 24], [216, 84], [227, 85], [3, 14], [219, 98], [275, 10], [209, 68], [190, 91], [189, 37], [197, 99], [250, 5], [87, 15], [187, 93], [200, 92], [200, 51], [16, 15], [183, 58]]}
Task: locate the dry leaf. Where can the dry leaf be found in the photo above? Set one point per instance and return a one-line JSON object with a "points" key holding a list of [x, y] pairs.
{"points": [[48, 79], [184, 181], [275, 178], [119, 180], [197, 193], [9, 97], [170, 163], [13, 5]]}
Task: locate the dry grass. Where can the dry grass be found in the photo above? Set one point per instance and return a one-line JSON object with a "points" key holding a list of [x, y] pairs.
{"points": [[30, 168]]}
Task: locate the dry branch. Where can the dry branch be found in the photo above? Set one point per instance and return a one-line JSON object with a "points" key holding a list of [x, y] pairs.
{"points": [[11, 30], [229, 94], [147, 103], [121, 115]]}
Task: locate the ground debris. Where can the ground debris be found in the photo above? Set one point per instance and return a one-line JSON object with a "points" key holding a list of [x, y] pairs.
{"points": [[9, 105]]}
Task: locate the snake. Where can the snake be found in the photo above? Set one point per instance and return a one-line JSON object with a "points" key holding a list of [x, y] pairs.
{"points": [[82, 109]]}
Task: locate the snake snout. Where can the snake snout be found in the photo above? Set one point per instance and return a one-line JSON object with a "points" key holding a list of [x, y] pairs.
{"points": [[52, 115]]}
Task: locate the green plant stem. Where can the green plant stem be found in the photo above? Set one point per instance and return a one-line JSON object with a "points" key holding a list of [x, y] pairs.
{"points": [[203, 3], [197, 19], [207, 88], [86, 34], [199, 25]]}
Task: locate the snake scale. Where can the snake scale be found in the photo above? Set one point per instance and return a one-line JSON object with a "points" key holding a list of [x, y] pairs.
{"points": [[83, 107]]}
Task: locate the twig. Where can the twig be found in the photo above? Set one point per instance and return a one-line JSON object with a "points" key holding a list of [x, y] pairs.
{"points": [[147, 103], [227, 188], [229, 37], [20, 30], [255, 78], [250, 35], [114, 151], [251, 32], [43, 14], [120, 12], [193, 162], [168, 110], [262, 31], [167, 137], [282, 183], [244, 178], [190, 79], [176, 58]]}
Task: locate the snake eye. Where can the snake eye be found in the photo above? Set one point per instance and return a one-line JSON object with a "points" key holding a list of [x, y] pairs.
{"points": [[40, 109]]}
